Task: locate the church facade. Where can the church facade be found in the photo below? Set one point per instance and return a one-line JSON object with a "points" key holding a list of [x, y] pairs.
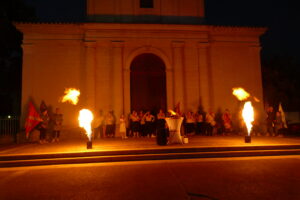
{"points": [[140, 54]]}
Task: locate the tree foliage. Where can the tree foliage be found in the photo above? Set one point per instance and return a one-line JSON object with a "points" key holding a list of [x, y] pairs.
{"points": [[281, 81]]}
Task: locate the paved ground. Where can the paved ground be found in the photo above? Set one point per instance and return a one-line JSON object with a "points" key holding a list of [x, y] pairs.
{"points": [[259, 178], [110, 144]]}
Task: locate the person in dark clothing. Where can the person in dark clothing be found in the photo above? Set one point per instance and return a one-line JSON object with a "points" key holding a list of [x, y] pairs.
{"points": [[161, 131], [270, 120], [43, 126]]}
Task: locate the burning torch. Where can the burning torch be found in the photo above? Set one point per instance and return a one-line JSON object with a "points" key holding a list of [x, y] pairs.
{"points": [[85, 116], [248, 112], [85, 119]]}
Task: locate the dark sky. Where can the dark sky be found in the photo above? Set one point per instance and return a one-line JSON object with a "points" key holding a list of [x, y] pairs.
{"points": [[280, 16]]}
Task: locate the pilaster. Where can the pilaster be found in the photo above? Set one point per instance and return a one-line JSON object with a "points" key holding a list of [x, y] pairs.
{"points": [[118, 77], [205, 77], [178, 81], [90, 65]]}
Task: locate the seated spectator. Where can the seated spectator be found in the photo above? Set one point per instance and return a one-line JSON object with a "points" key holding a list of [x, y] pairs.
{"points": [[190, 123], [227, 123]]}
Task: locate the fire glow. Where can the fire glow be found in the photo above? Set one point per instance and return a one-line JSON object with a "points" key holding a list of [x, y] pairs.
{"points": [[71, 95], [172, 113], [85, 119], [240, 93], [248, 115], [248, 111]]}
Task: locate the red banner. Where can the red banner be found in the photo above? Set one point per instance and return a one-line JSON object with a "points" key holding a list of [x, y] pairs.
{"points": [[32, 120]]}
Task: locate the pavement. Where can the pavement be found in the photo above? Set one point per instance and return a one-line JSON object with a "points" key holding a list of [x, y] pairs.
{"points": [[72, 151], [118, 144]]}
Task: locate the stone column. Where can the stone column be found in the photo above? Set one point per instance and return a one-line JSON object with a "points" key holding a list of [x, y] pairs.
{"points": [[170, 88], [256, 82], [126, 75], [205, 81], [178, 74], [90, 65], [118, 78]]}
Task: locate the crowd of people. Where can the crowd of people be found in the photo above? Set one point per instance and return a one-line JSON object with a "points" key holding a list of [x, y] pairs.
{"points": [[148, 124], [46, 121]]}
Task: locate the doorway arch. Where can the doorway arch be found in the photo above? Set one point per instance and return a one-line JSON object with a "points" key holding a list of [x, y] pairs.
{"points": [[148, 83]]}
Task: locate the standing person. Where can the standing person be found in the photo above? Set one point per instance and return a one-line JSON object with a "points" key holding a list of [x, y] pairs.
{"points": [[57, 120], [123, 126], [43, 126], [210, 120], [110, 125], [199, 123], [227, 124], [135, 123], [270, 120], [142, 124], [161, 132], [98, 124], [278, 123], [149, 119], [129, 126], [190, 123]]}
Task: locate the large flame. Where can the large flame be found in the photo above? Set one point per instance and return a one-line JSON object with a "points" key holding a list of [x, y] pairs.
{"points": [[248, 115], [85, 119], [71, 95], [240, 93]]}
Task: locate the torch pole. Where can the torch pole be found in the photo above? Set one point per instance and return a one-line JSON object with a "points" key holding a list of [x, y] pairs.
{"points": [[247, 139], [89, 144]]}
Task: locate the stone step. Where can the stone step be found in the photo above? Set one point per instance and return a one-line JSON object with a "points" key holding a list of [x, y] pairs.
{"points": [[148, 154]]}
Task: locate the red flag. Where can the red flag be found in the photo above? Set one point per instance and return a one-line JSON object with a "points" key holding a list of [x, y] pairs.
{"points": [[32, 120]]}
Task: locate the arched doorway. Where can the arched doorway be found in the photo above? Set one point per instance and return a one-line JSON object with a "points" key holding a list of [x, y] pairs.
{"points": [[147, 83]]}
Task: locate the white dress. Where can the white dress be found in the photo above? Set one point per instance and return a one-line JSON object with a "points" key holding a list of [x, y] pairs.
{"points": [[122, 127]]}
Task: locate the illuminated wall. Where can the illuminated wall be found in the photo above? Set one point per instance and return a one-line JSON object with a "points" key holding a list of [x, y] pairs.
{"points": [[203, 64]]}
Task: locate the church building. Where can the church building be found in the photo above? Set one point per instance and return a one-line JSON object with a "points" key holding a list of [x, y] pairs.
{"points": [[140, 55]]}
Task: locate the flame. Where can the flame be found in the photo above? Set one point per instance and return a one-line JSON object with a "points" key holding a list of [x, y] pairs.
{"points": [[173, 113], [256, 99], [248, 115], [85, 119], [240, 93], [71, 95]]}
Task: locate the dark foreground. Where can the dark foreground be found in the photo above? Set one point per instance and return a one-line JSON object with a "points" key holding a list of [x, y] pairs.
{"points": [[210, 178]]}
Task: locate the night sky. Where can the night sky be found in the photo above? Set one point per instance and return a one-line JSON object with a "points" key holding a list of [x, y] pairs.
{"points": [[281, 18], [280, 55]]}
